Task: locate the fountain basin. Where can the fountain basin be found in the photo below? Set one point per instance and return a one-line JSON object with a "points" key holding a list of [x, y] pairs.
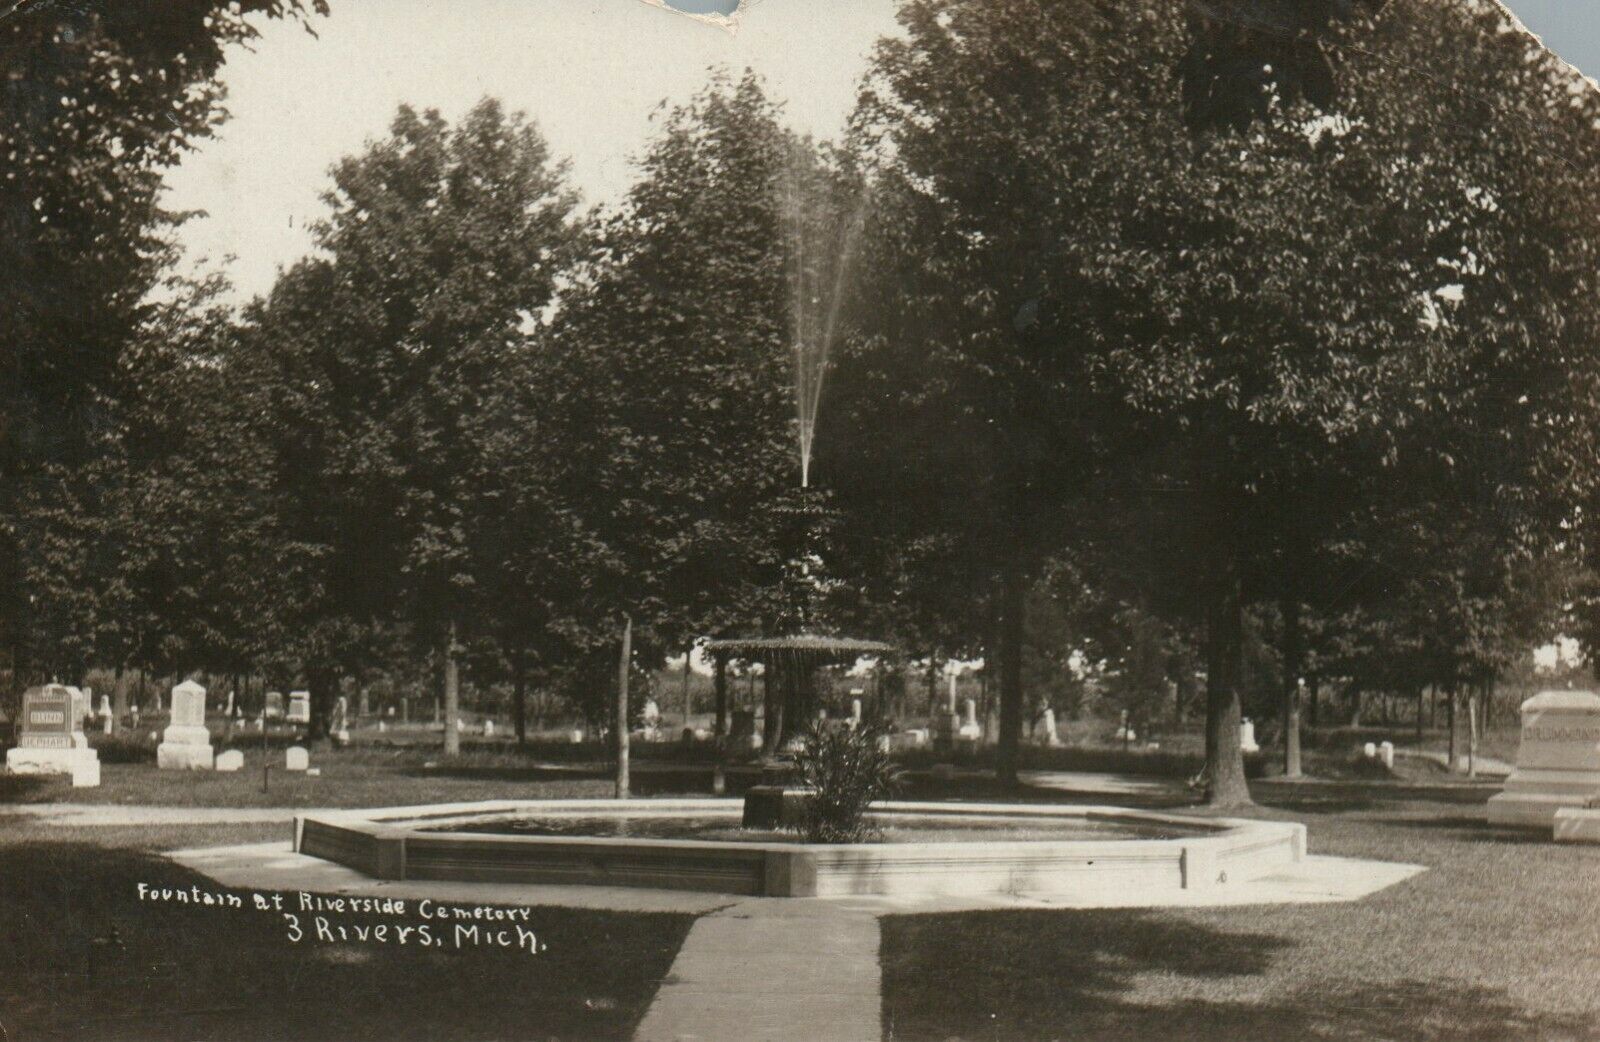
{"points": [[433, 843]]}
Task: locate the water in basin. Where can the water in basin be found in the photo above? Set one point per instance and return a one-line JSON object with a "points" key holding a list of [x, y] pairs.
{"points": [[895, 828]]}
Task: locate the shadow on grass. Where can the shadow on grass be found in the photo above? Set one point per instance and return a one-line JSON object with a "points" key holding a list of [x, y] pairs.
{"points": [[1417, 1011], [84, 957], [1472, 830], [1316, 804], [1135, 974], [526, 775], [20, 788], [1373, 793]]}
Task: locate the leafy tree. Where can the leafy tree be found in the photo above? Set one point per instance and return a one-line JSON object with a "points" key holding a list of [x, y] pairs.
{"points": [[1246, 55], [668, 387], [98, 101], [1209, 331], [966, 420], [444, 244]]}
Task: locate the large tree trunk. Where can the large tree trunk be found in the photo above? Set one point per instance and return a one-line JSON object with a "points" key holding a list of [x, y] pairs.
{"points": [[688, 652], [1472, 731], [721, 685], [119, 699], [1013, 606], [1226, 786], [621, 721], [452, 695], [1293, 663], [519, 695], [778, 698], [322, 684], [1450, 722]]}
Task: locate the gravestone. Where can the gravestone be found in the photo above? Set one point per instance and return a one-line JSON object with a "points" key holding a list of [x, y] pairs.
{"points": [[339, 723], [488, 728], [1247, 736], [1047, 725], [106, 717], [1558, 761], [49, 738], [274, 710], [232, 760], [855, 713], [971, 730], [945, 728], [299, 707], [1386, 754], [186, 744], [296, 758]]}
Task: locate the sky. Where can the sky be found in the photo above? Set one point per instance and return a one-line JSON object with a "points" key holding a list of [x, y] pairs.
{"points": [[591, 73]]}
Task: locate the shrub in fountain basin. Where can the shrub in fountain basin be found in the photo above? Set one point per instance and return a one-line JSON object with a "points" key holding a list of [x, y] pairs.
{"points": [[845, 771]]}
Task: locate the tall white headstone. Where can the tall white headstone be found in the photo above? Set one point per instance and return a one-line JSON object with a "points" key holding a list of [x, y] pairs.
{"points": [[1048, 723], [970, 730], [186, 744], [1247, 736]]}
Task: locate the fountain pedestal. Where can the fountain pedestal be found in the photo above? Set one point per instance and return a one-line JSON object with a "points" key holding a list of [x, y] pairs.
{"points": [[778, 801]]}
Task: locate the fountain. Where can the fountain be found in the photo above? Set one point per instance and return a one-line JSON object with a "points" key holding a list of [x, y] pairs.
{"points": [[700, 844], [822, 225], [717, 844]]}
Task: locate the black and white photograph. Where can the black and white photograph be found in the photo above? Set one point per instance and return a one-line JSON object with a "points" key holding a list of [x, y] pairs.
{"points": [[799, 520]]}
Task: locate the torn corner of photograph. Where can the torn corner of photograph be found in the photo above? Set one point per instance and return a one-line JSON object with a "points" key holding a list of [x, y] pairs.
{"points": [[724, 14]]}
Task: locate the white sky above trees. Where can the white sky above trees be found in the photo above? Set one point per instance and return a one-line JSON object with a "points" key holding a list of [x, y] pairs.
{"points": [[589, 72]]}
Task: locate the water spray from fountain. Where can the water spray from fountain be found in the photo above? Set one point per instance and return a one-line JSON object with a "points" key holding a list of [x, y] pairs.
{"points": [[822, 226], [822, 230]]}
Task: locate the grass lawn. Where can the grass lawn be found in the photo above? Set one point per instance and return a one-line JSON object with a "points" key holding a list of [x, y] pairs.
{"points": [[1499, 940], [82, 958], [355, 777]]}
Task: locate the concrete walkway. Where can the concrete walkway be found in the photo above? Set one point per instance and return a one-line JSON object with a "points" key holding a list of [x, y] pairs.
{"points": [[776, 969], [76, 814], [767, 971]]}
